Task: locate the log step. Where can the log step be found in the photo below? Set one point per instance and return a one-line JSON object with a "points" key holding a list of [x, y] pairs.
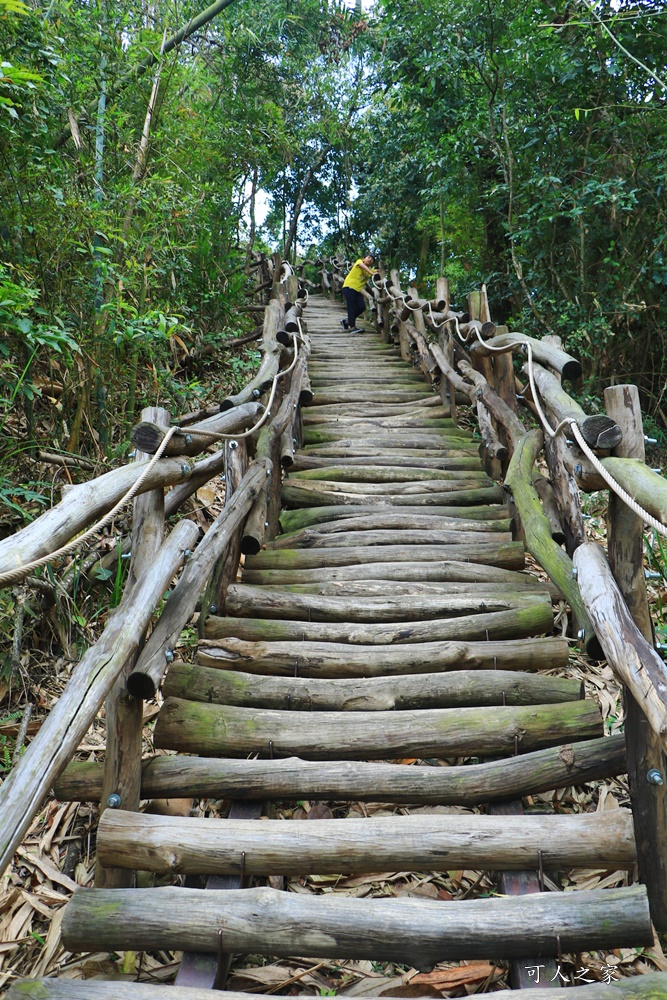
{"points": [[383, 518], [292, 520], [371, 694], [193, 846], [387, 474], [227, 730], [395, 536], [309, 494], [343, 659], [506, 555], [652, 985], [536, 619], [292, 778], [246, 602], [418, 932]]}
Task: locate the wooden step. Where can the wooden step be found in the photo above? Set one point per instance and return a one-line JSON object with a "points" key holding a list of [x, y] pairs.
{"points": [[383, 518], [537, 619], [196, 682], [194, 846], [505, 555], [386, 474], [226, 730], [290, 779], [249, 602], [311, 538], [418, 932], [344, 659], [651, 985], [347, 466], [291, 520], [295, 494]]}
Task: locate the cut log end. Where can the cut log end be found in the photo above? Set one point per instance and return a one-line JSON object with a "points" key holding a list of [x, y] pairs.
{"points": [[140, 686], [571, 370]]}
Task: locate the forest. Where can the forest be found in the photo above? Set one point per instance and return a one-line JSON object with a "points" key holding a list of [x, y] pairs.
{"points": [[150, 149]]}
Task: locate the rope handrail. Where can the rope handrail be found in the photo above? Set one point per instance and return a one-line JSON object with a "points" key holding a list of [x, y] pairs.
{"points": [[7, 579]]}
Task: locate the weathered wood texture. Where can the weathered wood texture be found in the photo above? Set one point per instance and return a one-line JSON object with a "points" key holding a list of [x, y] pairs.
{"points": [[292, 778], [435, 572], [463, 688], [632, 658], [332, 659], [24, 789], [507, 555], [644, 747], [419, 932], [545, 353], [150, 668], [652, 986], [224, 730], [538, 535], [293, 520], [599, 430], [195, 438], [193, 846], [124, 713], [536, 619], [84, 504], [245, 601]]}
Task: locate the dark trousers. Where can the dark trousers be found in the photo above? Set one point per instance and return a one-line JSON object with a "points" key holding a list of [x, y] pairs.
{"points": [[356, 305]]}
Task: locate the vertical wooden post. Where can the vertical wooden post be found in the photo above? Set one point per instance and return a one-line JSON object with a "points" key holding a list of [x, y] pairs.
{"points": [[121, 784], [649, 801]]}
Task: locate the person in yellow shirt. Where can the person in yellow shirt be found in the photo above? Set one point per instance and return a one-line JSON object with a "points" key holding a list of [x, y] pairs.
{"points": [[355, 280]]}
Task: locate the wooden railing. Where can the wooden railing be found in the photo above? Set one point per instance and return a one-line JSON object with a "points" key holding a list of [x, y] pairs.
{"points": [[259, 428], [470, 361]]}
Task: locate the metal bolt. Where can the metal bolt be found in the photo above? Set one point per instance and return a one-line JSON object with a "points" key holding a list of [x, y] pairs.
{"points": [[652, 574], [169, 655], [113, 801], [188, 438], [266, 524], [268, 472], [126, 555], [650, 440], [654, 776], [656, 470], [187, 552], [575, 572], [577, 469], [131, 454], [233, 445], [661, 645], [294, 407], [185, 469], [256, 393], [213, 609], [580, 634]]}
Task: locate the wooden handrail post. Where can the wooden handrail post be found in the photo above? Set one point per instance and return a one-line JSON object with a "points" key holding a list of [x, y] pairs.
{"points": [[625, 546], [124, 714]]}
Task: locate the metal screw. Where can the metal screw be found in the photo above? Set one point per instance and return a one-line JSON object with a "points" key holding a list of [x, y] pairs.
{"points": [[575, 572], [213, 609], [113, 801], [131, 454], [294, 407], [268, 472], [256, 393], [233, 445], [577, 470], [126, 555], [187, 552], [652, 574], [654, 776], [661, 645], [169, 655], [650, 440], [188, 438], [185, 469], [266, 524], [580, 634], [656, 470]]}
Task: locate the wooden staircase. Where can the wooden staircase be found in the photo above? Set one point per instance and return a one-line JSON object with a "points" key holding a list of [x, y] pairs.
{"points": [[388, 646]]}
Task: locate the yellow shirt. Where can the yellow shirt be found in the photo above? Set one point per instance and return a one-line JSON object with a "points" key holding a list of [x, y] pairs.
{"points": [[356, 277]]}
